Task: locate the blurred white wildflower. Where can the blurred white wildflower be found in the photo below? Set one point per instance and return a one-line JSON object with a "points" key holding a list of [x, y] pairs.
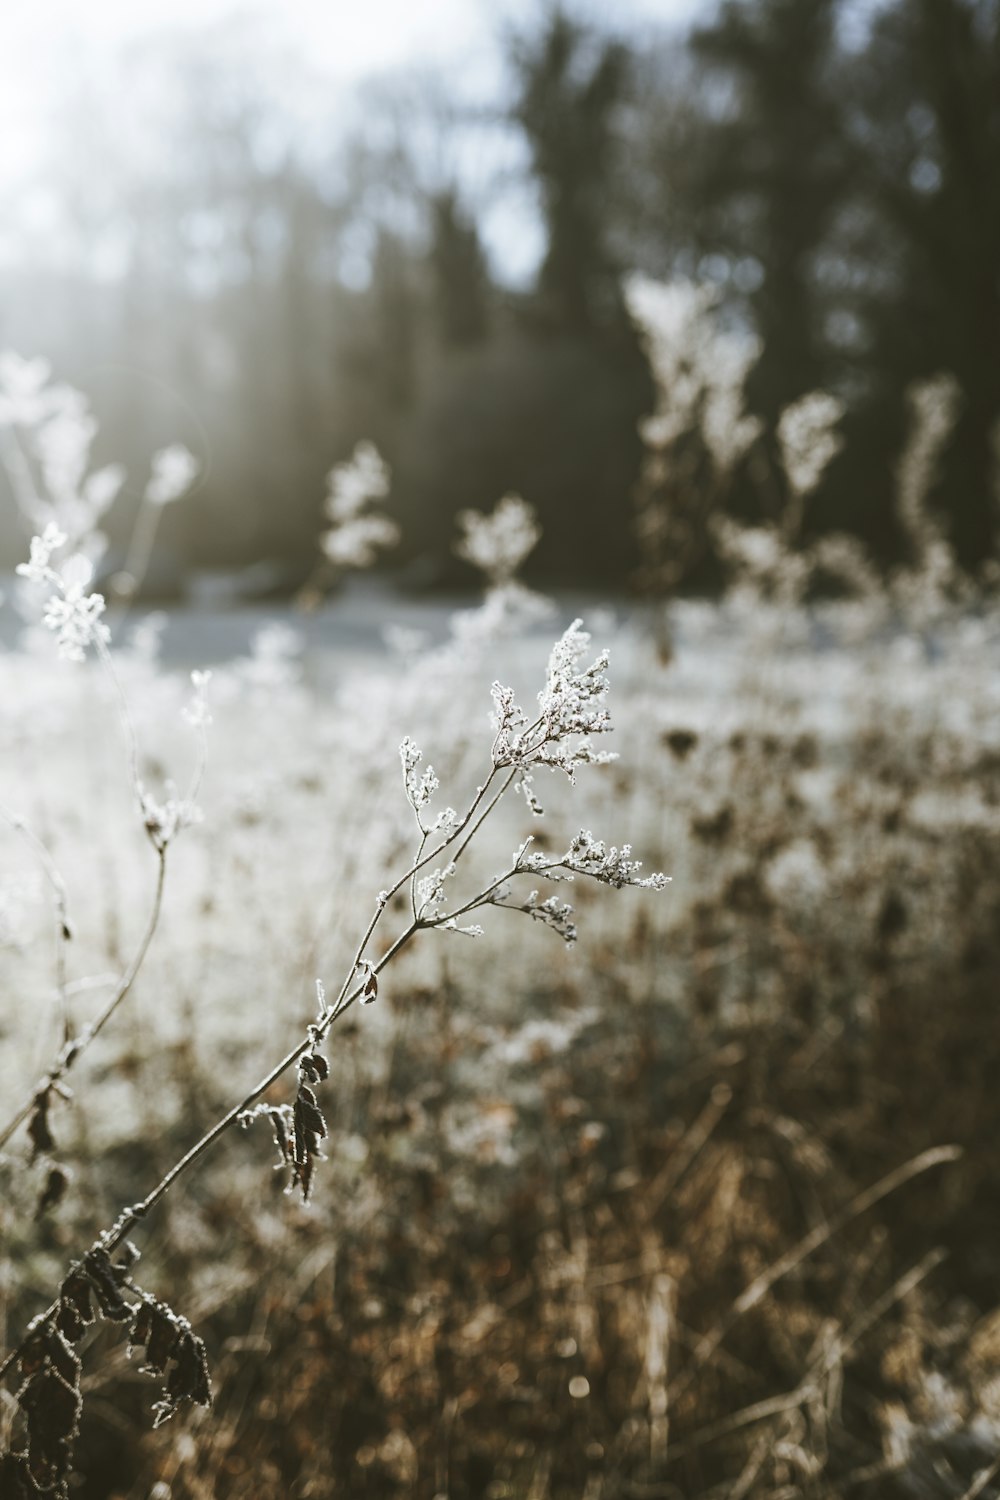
{"points": [[19, 903], [927, 587], [69, 612], [497, 544], [63, 444], [174, 470], [700, 368], [845, 558], [796, 877], [48, 456], [73, 615], [482, 1130], [23, 398], [274, 662], [405, 641], [356, 534], [75, 618], [507, 609], [197, 711], [764, 566], [164, 820], [542, 1037], [38, 568], [933, 406], [807, 438], [147, 637]]}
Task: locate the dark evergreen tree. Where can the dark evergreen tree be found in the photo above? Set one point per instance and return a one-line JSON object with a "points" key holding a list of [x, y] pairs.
{"points": [[569, 86], [394, 326], [927, 94], [461, 283], [773, 177]]}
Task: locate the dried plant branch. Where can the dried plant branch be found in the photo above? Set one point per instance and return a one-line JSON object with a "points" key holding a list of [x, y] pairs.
{"points": [[64, 931], [569, 705], [74, 1047]]}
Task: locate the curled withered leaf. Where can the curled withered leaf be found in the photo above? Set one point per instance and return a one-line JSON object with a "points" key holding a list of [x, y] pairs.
{"points": [[188, 1379], [280, 1119], [50, 1400], [309, 1121], [14, 1481], [157, 1329], [53, 1407], [63, 1357], [169, 1340], [75, 1310], [282, 1125], [34, 1350], [45, 1346], [302, 1176], [48, 1472], [57, 1180], [369, 990], [309, 1130], [315, 1067], [42, 1140], [138, 1334], [130, 1253], [161, 1344], [107, 1279]]}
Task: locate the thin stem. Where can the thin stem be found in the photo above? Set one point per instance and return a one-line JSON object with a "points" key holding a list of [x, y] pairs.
{"points": [[55, 880], [125, 717], [483, 899], [424, 835], [418, 864], [73, 1047], [22, 481], [131, 1216], [486, 812], [140, 549]]}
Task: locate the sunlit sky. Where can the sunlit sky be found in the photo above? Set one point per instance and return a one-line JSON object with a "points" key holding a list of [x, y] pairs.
{"points": [[345, 39], [346, 36], [49, 48]]}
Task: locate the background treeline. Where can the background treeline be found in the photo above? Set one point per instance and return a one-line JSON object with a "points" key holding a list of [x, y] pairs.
{"points": [[211, 269]]}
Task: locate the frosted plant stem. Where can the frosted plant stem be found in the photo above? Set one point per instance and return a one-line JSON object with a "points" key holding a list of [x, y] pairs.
{"points": [[424, 835], [125, 718], [140, 548], [55, 880], [22, 481], [410, 874], [486, 812], [131, 1216], [74, 1047]]}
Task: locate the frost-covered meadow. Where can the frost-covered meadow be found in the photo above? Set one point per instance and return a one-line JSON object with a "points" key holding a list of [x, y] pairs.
{"points": [[551, 1171], [607, 1111]]}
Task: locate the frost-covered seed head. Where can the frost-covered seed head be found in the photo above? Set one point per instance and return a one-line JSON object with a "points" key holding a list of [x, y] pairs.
{"points": [[498, 543], [175, 469]]}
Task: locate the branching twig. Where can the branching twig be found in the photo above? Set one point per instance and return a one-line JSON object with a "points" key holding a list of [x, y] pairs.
{"points": [[74, 1047]]}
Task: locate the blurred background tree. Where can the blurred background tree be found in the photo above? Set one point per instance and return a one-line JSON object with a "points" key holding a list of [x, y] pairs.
{"points": [[270, 279]]}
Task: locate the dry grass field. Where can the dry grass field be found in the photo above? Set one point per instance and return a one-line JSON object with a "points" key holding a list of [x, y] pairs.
{"points": [[703, 1205]]}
